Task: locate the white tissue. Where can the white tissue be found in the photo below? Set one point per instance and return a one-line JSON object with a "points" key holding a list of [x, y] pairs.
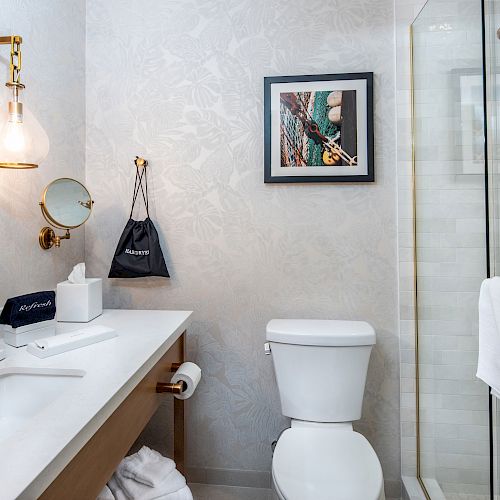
{"points": [[77, 276], [190, 374]]}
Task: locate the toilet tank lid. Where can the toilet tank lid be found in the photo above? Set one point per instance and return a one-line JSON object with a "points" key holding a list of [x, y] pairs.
{"points": [[320, 332]]}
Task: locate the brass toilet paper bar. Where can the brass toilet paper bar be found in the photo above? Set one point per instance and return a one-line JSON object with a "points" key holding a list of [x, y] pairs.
{"points": [[176, 388], [184, 381]]}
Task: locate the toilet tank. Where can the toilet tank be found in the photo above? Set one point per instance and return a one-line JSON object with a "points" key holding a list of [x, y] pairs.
{"points": [[321, 367]]}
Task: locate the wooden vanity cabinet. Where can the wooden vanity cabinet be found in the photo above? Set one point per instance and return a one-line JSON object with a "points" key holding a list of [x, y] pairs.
{"points": [[90, 469]]}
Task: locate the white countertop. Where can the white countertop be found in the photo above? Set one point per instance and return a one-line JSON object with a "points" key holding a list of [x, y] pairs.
{"points": [[32, 457]]}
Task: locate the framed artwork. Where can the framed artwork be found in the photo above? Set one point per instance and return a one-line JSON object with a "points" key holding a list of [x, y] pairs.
{"points": [[318, 128]]}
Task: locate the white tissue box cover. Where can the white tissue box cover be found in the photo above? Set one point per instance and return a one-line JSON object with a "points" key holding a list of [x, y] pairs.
{"points": [[79, 302]]}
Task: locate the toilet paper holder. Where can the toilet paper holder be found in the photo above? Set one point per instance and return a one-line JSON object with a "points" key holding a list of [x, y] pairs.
{"points": [[184, 381], [173, 388], [177, 388]]}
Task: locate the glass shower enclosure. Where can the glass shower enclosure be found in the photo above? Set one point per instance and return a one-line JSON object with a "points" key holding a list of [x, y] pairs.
{"points": [[455, 66]]}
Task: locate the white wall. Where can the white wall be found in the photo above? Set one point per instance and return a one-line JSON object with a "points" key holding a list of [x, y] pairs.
{"points": [[53, 71], [182, 84]]}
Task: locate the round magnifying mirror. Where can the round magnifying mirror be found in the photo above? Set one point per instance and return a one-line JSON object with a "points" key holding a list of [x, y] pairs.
{"points": [[66, 203]]}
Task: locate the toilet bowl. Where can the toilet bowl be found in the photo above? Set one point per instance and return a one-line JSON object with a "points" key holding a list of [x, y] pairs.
{"points": [[326, 464], [320, 368]]}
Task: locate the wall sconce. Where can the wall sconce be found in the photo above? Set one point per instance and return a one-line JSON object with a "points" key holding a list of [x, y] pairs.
{"points": [[23, 142]]}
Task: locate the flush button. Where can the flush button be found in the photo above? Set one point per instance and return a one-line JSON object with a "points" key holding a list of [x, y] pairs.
{"points": [[267, 349]]}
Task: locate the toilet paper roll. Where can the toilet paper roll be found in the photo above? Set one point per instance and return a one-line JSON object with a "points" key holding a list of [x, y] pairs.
{"points": [[190, 374]]}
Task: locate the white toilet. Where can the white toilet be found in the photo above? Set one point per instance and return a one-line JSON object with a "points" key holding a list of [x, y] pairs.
{"points": [[320, 368]]}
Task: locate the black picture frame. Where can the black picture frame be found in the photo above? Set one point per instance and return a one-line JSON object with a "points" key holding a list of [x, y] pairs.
{"points": [[369, 176]]}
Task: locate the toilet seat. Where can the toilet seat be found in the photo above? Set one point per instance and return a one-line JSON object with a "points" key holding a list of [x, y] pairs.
{"points": [[326, 464]]}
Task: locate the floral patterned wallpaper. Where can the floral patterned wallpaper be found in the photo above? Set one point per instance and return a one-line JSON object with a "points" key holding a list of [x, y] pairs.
{"points": [[182, 84], [53, 71]]}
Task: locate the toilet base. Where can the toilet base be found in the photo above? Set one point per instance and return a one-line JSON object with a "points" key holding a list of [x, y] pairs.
{"points": [[278, 496]]}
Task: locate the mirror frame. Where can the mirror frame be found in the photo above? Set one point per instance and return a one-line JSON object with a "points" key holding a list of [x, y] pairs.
{"points": [[46, 213]]}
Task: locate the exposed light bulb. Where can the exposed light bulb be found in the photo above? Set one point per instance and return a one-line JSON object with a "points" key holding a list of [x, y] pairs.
{"points": [[23, 142], [13, 139]]}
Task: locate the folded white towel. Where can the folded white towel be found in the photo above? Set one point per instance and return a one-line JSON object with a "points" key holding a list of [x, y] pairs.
{"points": [[147, 466], [106, 494], [488, 365], [133, 490], [116, 489]]}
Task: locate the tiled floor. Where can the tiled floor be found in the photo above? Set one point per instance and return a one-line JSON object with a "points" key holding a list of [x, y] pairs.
{"points": [[215, 492]]}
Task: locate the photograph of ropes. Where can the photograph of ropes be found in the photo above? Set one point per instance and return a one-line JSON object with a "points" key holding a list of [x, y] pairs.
{"points": [[319, 128]]}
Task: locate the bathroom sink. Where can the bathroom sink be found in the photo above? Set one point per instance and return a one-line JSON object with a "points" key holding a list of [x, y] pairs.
{"points": [[24, 392]]}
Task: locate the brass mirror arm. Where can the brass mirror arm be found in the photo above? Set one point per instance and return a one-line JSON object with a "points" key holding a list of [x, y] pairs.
{"points": [[48, 238], [57, 239]]}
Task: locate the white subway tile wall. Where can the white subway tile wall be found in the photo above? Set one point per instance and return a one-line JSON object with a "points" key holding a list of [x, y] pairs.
{"points": [[451, 251]]}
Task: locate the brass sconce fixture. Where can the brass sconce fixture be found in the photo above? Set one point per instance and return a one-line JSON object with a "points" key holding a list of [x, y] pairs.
{"points": [[66, 204], [23, 141]]}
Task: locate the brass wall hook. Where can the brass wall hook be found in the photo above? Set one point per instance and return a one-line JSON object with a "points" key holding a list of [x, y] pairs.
{"points": [[140, 162]]}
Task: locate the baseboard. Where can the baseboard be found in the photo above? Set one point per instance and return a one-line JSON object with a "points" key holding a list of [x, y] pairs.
{"points": [[229, 477], [392, 489], [258, 479]]}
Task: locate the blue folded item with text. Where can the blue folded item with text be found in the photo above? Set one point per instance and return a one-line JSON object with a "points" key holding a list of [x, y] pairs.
{"points": [[30, 308]]}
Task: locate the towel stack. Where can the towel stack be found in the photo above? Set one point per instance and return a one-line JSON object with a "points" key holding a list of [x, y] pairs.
{"points": [[146, 475]]}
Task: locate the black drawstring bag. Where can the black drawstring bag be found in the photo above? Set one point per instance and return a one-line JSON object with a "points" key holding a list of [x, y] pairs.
{"points": [[138, 253]]}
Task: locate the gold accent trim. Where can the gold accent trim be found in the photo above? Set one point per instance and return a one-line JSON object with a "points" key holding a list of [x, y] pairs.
{"points": [[176, 388], [47, 215], [15, 64], [7, 40], [15, 108], [140, 162], [14, 83], [415, 267], [18, 165], [48, 238]]}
